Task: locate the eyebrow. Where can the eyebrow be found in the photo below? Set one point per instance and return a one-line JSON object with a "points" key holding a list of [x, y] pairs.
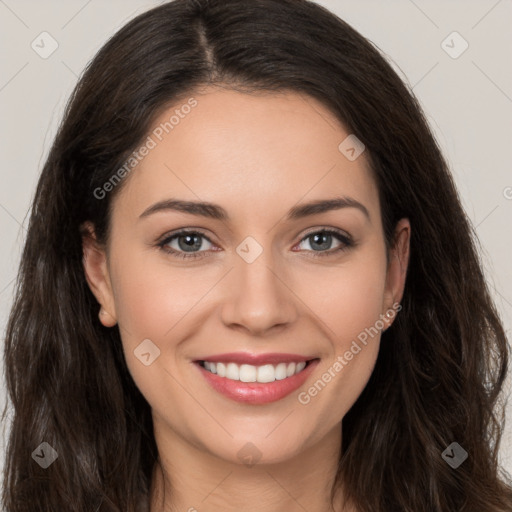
{"points": [[214, 211]]}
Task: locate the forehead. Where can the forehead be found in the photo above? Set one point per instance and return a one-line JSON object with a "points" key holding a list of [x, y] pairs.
{"points": [[254, 153]]}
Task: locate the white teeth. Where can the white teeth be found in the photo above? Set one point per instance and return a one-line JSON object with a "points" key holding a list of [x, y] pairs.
{"points": [[281, 371], [290, 369], [250, 373], [221, 369], [232, 371], [266, 373]]}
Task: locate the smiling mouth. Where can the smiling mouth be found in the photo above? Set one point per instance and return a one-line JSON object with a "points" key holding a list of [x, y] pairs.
{"points": [[251, 373]]}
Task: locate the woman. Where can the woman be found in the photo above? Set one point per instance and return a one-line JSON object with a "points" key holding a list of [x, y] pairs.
{"points": [[249, 284]]}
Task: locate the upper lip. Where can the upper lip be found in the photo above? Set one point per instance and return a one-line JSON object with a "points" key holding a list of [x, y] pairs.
{"points": [[255, 359]]}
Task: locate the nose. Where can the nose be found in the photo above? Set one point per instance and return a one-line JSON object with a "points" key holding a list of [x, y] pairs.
{"points": [[258, 297]]}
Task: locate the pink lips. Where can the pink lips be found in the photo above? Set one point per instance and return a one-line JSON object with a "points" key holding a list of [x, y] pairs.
{"points": [[257, 393]]}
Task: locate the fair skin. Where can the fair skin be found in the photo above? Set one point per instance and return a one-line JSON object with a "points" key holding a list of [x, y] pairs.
{"points": [[257, 156]]}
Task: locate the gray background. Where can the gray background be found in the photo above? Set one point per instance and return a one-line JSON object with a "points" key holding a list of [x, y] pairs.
{"points": [[468, 101]]}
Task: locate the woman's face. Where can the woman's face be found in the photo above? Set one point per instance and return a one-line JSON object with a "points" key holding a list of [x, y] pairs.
{"points": [[270, 278]]}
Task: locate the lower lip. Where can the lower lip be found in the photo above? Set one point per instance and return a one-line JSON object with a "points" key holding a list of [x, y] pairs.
{"points": [[257, 392]]}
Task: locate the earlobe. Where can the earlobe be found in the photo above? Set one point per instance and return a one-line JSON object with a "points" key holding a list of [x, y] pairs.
{"points": [[106, 318], [397, 270], [97, 275]]}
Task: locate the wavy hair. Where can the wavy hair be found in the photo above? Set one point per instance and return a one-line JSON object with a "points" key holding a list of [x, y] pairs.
{"points": [[441, 367]]}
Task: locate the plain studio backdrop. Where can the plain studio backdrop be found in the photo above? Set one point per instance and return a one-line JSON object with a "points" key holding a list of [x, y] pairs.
{"points": [[455, 55]]}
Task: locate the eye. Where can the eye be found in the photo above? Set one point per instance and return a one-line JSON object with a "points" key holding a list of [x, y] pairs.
{"points": [[323, 239], [187, 244]]}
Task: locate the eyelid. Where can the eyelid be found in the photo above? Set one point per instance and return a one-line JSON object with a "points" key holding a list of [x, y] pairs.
{"points": [[170, 234], [327, 228]]}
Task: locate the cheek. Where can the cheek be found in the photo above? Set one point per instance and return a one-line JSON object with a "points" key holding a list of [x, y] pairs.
{"points": [[157, 302], [152, 298], [348, 299], [351, 308], [151, 302]]}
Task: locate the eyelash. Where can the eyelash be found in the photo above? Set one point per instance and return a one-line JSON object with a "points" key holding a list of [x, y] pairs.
{"points": [[347, 243]]}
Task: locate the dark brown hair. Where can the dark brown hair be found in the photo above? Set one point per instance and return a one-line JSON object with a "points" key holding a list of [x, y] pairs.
{"points": [[441, 366]]}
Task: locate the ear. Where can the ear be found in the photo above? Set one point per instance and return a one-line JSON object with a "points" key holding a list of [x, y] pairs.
{"points": [[397, 270], [97, 275]]}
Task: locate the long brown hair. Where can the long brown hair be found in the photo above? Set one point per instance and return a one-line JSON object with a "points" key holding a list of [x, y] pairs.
{"points": [[441, 366]]}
